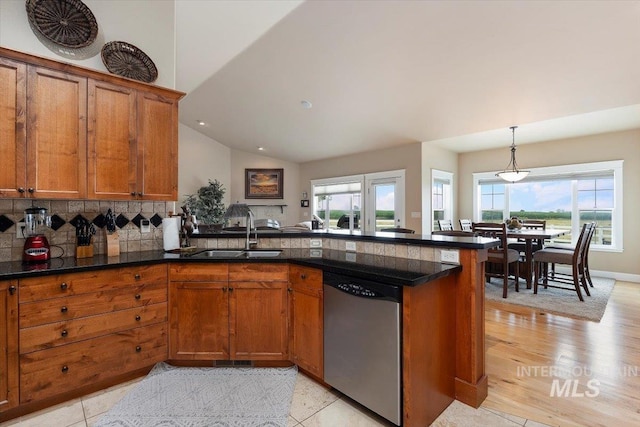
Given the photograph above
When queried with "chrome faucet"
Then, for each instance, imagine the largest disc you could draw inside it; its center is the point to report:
(251, 224)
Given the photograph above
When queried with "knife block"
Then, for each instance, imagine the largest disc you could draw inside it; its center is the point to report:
(113, 243)
(84, 251)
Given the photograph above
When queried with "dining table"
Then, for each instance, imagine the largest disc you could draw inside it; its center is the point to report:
(530, 236)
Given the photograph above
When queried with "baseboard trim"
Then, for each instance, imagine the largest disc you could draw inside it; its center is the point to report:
(616, 275)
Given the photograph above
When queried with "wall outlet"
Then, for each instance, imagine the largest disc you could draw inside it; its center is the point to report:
(451, 256)
(415, 215)
(350, 246)
(315, 253)
(145, 226)
(315, 243)
(20, 229)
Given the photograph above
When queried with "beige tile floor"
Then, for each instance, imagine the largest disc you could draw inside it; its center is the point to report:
(312, 406)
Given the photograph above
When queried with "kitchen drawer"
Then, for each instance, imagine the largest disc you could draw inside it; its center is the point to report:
(258, 272)
(201, 272)
(83, 305)
(305, 277)
(50, 372)
(47, 287)
(61, 333)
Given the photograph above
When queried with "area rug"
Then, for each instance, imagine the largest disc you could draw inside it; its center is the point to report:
(556, 301)
(211, 397)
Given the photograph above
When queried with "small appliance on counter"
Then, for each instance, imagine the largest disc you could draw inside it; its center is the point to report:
(36, 247)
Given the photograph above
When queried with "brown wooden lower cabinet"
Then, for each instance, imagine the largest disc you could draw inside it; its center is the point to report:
(214, 316)
(306, 319)
(49, 372)
(8, 344)
(81, 328)
(93, 327)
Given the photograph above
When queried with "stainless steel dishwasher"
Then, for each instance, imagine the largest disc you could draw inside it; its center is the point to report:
(362, 357)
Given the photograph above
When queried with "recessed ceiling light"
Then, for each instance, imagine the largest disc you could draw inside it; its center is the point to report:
(260, 148)
(200, 122)
(306, 104)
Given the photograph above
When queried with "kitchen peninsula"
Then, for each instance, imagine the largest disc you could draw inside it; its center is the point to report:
(442, 312)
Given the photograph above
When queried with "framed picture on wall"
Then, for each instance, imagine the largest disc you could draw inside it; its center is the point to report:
(263, 183)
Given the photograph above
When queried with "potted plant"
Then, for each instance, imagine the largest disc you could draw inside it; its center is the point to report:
(207, 204)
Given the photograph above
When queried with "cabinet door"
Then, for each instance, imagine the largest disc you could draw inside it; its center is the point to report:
(258, 320)
(56, 134)
(13, 103)
(198, 321)
(306, 316)
(8, 345)
(111, 141)
(157, 147)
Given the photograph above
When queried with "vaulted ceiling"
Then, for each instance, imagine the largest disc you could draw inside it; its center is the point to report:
(384, 73)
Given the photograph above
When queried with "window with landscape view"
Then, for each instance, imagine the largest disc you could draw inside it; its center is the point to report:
(368, 202)
(564, 196)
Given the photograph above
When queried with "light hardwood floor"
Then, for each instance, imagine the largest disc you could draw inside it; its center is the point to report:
(527, 351)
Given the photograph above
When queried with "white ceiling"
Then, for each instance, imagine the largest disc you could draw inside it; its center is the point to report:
(383, 73)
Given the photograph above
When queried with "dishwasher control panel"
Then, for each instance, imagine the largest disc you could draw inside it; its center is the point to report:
(363, 288)
(358, 290)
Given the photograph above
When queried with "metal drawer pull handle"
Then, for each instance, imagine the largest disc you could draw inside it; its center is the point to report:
(63, 286)
(64, 333)
(137, 296)
(65, 369)
(138, 349)
(138, 317)
(64, 309)
(12, 290)
(303, 276)
(137, 277)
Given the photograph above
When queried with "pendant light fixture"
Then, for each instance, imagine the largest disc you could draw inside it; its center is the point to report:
(512, 173)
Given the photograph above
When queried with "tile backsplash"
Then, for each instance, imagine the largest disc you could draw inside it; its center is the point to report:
(62, 235)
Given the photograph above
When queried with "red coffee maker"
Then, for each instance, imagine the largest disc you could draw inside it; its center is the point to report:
(36, 247)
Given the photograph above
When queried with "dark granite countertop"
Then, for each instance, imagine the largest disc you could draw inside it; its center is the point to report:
(391, 270)
(380, 237)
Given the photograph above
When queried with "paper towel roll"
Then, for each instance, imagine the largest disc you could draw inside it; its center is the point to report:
(170, 233)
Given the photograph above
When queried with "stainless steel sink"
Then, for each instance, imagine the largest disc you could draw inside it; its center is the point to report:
(218, 253)
(234, 253)
(262, 253)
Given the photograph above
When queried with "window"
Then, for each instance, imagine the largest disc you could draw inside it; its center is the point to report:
(492, 202)
(441, 197)
(369, 202)
(337, 201)
(565, 196)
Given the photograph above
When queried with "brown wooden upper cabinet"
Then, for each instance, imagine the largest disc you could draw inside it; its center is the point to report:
(74, 133)
(56, 134)
(133, 144)
(13, 135)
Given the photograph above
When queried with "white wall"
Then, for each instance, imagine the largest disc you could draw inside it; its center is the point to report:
(147, 25)
(434, 157)
(201, 159)
(292, 192)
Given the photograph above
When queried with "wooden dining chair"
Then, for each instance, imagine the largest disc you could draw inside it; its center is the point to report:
(465, 225)
(445, 224)
(574, 258)
(584, 265)
(501, 256)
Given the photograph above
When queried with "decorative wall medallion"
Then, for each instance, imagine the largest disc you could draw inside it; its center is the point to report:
(68, 23)
(126, 60)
